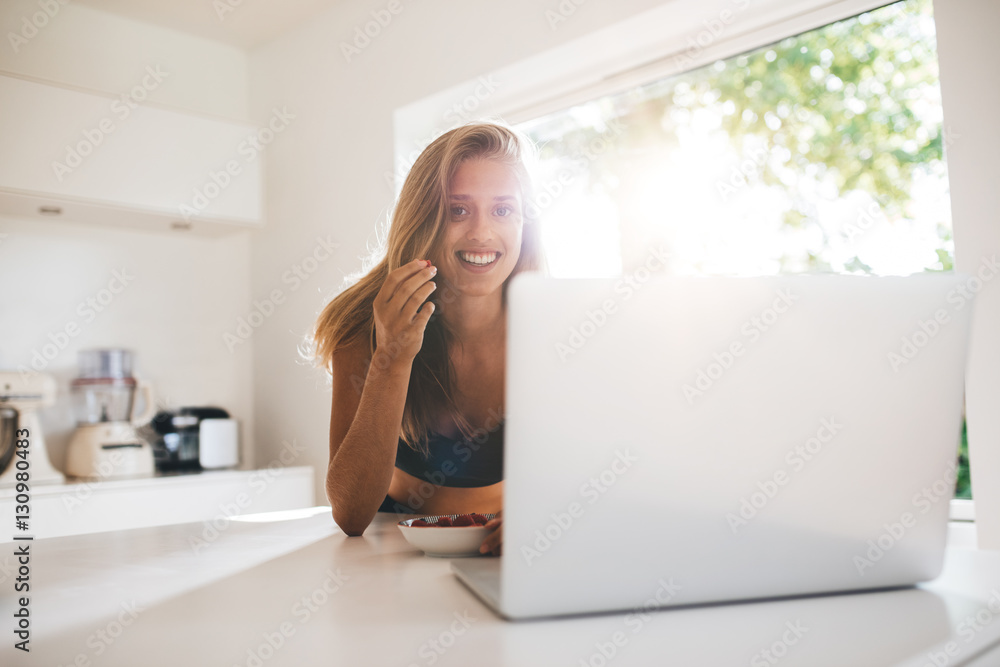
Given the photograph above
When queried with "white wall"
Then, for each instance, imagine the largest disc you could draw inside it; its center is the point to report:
(326, 173)
(186, 290)
(174, 290)
(85, 47)
(971, 95)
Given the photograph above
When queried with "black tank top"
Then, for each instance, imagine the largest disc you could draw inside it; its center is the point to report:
(463, 463)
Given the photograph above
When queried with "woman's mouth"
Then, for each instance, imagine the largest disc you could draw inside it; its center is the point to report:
(478, 259)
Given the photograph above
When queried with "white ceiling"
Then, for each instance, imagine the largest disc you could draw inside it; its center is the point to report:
(250, 23)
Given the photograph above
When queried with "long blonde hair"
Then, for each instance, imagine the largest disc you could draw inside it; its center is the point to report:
(417, 225)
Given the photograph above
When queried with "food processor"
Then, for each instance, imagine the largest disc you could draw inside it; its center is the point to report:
(105, 443)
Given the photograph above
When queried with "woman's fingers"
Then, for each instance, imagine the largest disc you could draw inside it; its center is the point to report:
(418, 298)
(493, 542)
(402, 310)
(424, 314)
(408, 287)
(396, 278)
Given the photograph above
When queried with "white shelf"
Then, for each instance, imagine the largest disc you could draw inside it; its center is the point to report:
(79, 507)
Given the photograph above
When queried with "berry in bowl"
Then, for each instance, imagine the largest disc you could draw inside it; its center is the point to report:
(447, 535)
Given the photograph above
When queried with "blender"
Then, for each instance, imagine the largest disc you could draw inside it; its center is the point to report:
(105, 443)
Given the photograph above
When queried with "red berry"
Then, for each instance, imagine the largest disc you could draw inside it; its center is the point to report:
(444, 521)
(479, 519)
(420, 522)
(464, 520)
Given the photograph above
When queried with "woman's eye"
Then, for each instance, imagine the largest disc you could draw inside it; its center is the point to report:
(458, 210)
(504, 211)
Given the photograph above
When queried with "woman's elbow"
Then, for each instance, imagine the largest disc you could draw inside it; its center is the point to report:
(347, 514)
(349, 521)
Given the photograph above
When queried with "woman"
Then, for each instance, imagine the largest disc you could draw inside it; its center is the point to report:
(416, 348)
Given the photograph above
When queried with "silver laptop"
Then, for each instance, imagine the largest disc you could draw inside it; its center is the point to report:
(689, 440)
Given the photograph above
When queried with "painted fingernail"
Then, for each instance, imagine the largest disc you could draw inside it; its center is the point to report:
(434, 270)
(428, 262)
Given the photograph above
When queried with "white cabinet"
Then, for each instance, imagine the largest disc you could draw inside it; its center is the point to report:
(116, 160)
(214, 497)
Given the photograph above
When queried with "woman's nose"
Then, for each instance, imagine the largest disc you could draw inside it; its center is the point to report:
(480, 228)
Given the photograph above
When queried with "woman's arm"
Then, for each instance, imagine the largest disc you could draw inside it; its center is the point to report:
(364, 429)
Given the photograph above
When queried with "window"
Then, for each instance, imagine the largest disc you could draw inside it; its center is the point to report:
(822, 152)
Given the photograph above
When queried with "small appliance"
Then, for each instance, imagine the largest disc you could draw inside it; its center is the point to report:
(105, 443)
(218, 443)
(193, 438)
(21, 395)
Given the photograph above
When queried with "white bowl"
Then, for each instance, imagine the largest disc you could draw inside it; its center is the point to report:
(445, 541)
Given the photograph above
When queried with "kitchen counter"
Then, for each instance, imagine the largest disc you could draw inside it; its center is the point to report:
(289, 588)
(78, 506)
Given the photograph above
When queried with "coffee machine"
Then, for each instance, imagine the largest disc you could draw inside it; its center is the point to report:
(105, 443)
(21, 396)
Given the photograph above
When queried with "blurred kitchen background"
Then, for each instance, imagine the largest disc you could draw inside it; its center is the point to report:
(192, 180)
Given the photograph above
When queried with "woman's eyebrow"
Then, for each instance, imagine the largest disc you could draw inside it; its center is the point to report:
(498, 198)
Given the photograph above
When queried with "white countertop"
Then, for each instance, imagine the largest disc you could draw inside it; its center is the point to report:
(82, 506)
(146, 597)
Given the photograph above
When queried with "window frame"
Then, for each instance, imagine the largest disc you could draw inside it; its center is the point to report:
(645, 48)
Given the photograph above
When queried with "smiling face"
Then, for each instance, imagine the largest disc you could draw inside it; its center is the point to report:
(481, 241)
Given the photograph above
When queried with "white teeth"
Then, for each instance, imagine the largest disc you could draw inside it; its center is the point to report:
(481, 259)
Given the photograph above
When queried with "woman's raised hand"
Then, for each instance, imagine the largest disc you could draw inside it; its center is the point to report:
(401, 313)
